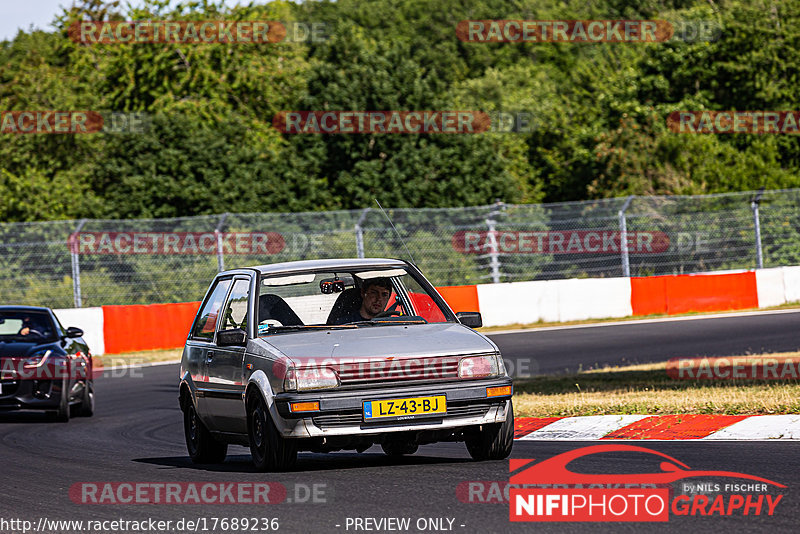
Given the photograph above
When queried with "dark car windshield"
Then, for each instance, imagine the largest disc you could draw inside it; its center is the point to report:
(350, 298)
(35, 327)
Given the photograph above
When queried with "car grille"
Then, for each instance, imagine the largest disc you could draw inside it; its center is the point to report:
(392, 372)
(350, 419)
(9, 387)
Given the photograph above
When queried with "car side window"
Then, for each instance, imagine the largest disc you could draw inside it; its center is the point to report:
(207, 318)
(236, 310)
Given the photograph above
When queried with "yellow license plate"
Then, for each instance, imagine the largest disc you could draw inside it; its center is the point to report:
(405, 408)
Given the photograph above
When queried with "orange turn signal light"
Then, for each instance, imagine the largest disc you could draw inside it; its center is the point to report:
(501, 391)
(304, 406)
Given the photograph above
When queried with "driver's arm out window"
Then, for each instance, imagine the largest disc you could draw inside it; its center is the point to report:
(207, 318)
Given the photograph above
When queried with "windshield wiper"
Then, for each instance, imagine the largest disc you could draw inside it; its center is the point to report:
(385, 321)
(295, 327)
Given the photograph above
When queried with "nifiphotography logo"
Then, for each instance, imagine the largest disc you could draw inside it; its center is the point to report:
(602, 497)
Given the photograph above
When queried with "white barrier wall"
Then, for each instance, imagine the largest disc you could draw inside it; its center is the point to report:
(90, 320)
(594, 298)
(791, 283)
(770, 287)
(554, 300)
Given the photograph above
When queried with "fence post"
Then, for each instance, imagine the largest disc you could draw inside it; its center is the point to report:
(218, 235)
(623, 237)
(754, 204)
(360, 233)
(494, 253)
(76, 265)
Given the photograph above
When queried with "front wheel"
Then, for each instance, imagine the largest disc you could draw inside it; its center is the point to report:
(494, 442)
(202, 447)
(87, 404)
(63, 413)
(270, 450)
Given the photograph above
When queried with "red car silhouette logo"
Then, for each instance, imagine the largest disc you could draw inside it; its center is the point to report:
(554, 470)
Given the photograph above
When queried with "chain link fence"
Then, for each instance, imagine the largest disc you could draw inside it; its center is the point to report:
(96, 262)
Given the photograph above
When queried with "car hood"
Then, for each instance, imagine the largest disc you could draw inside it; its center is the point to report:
(22, 349)
(413, 341)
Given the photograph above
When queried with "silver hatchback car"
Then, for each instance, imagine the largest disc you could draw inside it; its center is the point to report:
(339, 354)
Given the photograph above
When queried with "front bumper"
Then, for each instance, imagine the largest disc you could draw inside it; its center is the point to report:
(340, 412)
(26, 394)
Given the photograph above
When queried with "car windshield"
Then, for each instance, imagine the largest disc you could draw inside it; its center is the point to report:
(26, 326)
(346, 299)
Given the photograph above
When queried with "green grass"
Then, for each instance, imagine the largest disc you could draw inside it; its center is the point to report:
(646, 389)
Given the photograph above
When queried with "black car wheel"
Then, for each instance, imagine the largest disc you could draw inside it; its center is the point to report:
(270, 451)
(494, 442)
(399, 448)
(87, 405)
(63, 412)
(202, 447)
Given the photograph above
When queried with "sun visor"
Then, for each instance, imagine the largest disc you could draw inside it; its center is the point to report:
(385, 273)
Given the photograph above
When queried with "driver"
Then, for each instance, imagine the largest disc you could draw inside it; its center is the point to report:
(29, 326)
(375, 293)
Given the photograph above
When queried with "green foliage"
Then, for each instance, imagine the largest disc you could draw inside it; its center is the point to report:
(598, 110)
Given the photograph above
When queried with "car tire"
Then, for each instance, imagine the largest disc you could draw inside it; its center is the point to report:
(399, 448)
(202, 447)
(495, 441)
(62, 414)
(87, 405)
(270, 450)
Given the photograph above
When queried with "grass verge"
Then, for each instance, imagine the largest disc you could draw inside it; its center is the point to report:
(138, 358)
(646, 389)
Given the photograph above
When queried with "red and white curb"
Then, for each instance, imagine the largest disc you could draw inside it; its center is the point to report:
(659, 427)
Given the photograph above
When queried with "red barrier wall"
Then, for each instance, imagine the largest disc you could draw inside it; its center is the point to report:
(649, 295)
(460, 298)
(147, 327)
(165, 326)
(693, 293)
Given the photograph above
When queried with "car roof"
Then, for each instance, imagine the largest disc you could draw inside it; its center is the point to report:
(25, 308)
(330, 264)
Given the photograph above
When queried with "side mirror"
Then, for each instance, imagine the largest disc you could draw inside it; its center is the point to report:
(235, 337)
(470, 319)
(73, 331)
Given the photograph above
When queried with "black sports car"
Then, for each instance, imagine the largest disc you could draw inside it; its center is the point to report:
(43, 366)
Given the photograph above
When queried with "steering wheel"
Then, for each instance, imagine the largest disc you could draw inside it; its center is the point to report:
(391, 311)
(388, 313)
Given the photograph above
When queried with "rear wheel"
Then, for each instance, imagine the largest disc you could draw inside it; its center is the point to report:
(270, 450)
(399, 448)
(494, 442)
(202, 447)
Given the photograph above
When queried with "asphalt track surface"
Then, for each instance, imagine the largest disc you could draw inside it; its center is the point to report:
(136, 435)
(562, 349)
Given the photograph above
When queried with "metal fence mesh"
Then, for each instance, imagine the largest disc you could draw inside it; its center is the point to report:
(482, 244)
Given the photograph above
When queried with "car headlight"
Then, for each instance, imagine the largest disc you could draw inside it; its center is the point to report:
(478, 366)
(37, 360)
(310, 378)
